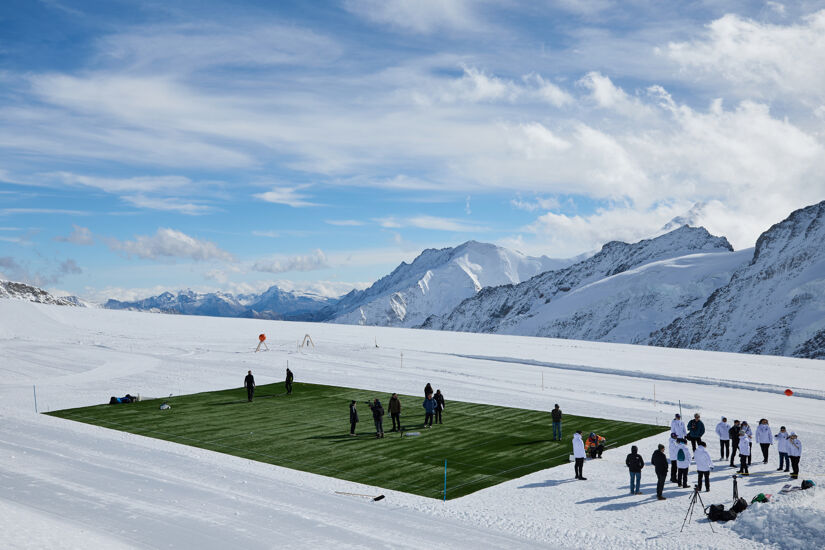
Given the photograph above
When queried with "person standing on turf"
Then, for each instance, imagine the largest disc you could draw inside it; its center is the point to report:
(428, 390)
(555, 414)
(794, 453)
(765, 438)
(288, 382)
(749, 432)
(578, 455)
(659, 461)
(734, 440)
(353, 417)
(782, 447)
(704, 464)
(678, 427)
(378, 417)
(696, 429)
(439, 406)
(683, 463)
(429, 410)
(744, 452)
(249, 384)
(635, 463)
(723, 431)
(673, 450)
(395, 412)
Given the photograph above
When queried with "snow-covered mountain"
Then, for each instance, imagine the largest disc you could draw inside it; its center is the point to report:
(590, 300)
(435, 282)
(774, 304)
(28, 293)
(274, 303)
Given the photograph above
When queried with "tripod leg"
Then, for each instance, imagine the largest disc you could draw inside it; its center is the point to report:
(689, 512)
(702, 503)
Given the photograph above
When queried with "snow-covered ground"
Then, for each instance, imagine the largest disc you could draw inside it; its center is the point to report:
(69, 485)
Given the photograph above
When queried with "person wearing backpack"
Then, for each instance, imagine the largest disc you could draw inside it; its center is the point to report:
(635, 463)
(704, 464)
(723, 431)
(578, 455)
(782, 446)
(696, 429)
(794, 453)
(683, 464)
(744, 453)
(765, 438)
(659, 461)
(673, 448)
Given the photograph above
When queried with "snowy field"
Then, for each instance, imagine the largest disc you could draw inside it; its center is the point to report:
(70, 485)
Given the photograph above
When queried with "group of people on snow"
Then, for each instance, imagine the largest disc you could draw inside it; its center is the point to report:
(249, 384)
(433, 411)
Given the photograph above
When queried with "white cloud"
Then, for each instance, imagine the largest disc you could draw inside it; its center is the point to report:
(344, 223)
(310, 262)
(169, 243)
(142, 184)
(167, 204)
(419, 16)
(537, 203)
(290, 196)
(79, 235)
(430, 222)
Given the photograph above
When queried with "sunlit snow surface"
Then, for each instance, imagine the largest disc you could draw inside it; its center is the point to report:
(70, 485)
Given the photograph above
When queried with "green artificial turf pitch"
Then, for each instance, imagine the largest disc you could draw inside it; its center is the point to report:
(309, 430)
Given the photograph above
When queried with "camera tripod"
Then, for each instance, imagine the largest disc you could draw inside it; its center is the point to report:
(696, 496)
(735, 488)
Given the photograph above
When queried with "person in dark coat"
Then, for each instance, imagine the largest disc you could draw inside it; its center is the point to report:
(659, 461)
(353, 417)
(429, 410)
(696, 429)
(439, 406)
(395, 412)
(428, 390)
(249, 384)
(377, 417)
(288, 382)
(635, 463)
(734, 440)
(555, 414)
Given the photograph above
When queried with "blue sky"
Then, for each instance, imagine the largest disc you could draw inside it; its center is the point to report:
(147, 146)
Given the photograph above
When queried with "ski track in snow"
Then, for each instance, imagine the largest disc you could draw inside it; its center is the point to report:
(71, 485)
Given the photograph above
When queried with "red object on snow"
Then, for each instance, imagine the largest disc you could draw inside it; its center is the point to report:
(788, 392)
(262, 337)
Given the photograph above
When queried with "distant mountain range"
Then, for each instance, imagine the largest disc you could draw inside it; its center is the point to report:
(685, 288)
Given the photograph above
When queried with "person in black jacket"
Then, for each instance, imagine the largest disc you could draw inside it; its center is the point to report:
(659, 461)
(696, 429)
(439, 406)
(395, 412)
(733, 433)
(428, 390)
(377, 417)
(353, 417)
(288, 382)
(635, 463)
(249, 384)
(555, 414)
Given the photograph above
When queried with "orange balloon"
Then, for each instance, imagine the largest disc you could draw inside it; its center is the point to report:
(262, 337)
(788, 392)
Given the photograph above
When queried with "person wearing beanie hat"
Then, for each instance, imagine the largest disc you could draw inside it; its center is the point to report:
(635, 463)
(782, 446)
(723, 431)
(595, 445)
(794, 453)
(578, 455)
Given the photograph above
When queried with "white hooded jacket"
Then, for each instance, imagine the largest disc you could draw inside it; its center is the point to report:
(578, 446)
(686, 462)
(782, 441)
(704, 463)
(763, 434)
(744, 445)
(723, 431)
(678, 427)
(673, 449)
(794, 446)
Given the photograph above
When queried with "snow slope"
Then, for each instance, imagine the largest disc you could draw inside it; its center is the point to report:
(435, 282)
(69, 485)
(21, 291)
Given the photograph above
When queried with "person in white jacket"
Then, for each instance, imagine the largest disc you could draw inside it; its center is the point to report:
(683, 463)
(578, 455)
(723, 431)
(765, 438)
(673, 449)
(744, 452)
(794, 453)
(746, 427)
(782, 447)
(704, 464)
(678, 427)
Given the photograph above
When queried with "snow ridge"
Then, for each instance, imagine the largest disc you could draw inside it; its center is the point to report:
(21, 291)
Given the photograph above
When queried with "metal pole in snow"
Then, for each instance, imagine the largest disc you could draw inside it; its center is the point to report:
(654, 404)
(34, 389)
(680, 408)
(445, 480)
